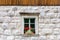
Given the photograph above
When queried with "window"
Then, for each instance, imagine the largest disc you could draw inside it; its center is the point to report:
(29, 25)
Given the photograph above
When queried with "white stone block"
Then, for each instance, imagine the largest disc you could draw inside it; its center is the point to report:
(7, 32)
(16, 32)
(51, 37)
(50, 26)
(7, 19)
(1, 30)
(41, 20)
(58, 25)
(10, 37)
(15, 21)
(5, 13)
(58, 37)
(42, 38)
(0, 24)
(47, 26)
(12, 25)
(15, 17)
(47, 21)
(17, 39)
(58, 20)
(34, 38)
(1, 19)
(46, 31)
(5, 25)
(1, 38)
(56, 31)
(58, 15)
(55, 20)
(42, 14)
(51, 14)
(41, 25)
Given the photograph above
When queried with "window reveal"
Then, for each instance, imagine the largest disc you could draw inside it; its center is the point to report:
(29, 25)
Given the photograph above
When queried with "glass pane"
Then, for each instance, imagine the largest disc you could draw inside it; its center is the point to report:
(32, 25)
(32, 20)
(26, 20)
(26, 27)
(33, 30)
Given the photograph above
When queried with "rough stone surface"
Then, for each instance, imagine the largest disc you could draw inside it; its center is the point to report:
(49, 22)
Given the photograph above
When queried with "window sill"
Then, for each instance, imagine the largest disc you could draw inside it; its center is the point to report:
(35, 35)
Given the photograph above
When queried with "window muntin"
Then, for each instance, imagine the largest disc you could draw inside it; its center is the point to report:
(29, 25)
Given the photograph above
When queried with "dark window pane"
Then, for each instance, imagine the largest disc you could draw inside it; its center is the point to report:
(26, 27)
(26, 20)
(32, 25)
(33, 30)
(32, 20)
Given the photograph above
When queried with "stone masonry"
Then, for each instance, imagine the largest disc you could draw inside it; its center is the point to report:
(49, 22)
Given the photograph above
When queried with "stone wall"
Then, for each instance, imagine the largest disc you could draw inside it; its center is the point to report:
(49, 22)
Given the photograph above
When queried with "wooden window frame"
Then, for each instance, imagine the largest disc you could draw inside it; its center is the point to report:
(36, 23)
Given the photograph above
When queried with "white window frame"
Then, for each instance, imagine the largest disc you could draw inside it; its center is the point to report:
(36, 23)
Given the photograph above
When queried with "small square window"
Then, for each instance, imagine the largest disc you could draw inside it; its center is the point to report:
(29, 25)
